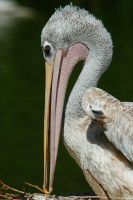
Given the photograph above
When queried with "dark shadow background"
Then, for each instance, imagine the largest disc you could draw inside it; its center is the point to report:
(22, 89)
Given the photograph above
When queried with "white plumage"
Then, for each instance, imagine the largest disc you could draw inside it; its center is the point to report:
(98, 129)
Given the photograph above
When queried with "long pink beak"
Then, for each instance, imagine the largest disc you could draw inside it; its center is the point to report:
(57, 76)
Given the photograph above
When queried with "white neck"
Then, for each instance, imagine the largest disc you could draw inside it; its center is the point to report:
(89, 77)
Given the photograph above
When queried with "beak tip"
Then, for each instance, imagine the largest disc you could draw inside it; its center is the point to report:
(46, 191)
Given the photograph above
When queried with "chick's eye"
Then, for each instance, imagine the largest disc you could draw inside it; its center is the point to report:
(47, 50)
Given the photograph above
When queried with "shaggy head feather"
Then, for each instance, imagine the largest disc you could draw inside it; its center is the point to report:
(71, 24)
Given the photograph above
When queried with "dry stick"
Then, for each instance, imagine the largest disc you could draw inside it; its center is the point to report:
(38, 188)
(3, 196)
(35, 186)
(19, 191)
(10, 188)
(6, 195)
(84, 197)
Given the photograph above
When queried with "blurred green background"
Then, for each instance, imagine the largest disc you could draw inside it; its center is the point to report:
(22, 87)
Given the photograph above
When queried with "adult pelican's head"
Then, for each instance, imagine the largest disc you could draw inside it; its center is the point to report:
(70, 35)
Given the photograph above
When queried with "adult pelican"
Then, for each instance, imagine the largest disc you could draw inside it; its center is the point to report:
(98, 128)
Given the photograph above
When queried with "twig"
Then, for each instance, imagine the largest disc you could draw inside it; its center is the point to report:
(6, 187)
(8, 196)
(35, 186)
(3, 196)
(21, 195)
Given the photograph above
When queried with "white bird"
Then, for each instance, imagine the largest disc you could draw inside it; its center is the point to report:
(98, 128)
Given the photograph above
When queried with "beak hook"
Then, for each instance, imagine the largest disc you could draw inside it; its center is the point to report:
(46, 191)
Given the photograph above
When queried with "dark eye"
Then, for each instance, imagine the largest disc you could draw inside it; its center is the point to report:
(47, 50)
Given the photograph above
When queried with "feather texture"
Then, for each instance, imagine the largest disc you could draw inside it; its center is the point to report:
(119, 124)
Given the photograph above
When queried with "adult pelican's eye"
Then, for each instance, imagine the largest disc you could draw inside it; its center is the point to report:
(47, 50)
